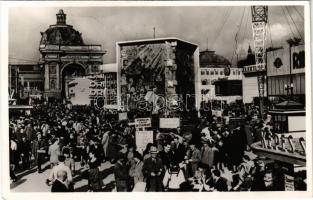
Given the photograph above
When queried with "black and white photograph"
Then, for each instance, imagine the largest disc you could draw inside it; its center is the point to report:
(150, 97)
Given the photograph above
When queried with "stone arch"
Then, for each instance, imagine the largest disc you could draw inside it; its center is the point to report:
(68, 72)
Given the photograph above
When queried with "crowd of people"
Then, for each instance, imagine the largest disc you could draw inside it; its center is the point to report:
(78, 140)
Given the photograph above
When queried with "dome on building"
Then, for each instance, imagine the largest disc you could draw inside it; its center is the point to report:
(209, 58)
(61, 33)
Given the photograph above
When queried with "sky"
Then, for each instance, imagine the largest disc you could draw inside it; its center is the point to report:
(213, 28)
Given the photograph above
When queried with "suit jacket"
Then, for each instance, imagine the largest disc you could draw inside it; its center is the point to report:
(58, 186)
(152, 166)
(24, 147)
(180, 153)
(167, 158)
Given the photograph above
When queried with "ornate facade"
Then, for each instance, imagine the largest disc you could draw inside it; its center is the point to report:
(64, 55)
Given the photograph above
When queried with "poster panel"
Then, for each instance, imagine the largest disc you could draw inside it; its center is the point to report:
(169, 122)
(142, 139)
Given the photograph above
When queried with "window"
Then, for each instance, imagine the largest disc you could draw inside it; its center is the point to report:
(234, 72)
(221, 72)
(212, 72)
(216, 72)
(202, 72)
(204, 82)
(208, 72)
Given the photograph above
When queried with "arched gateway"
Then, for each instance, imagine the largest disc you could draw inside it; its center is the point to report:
(64, 55)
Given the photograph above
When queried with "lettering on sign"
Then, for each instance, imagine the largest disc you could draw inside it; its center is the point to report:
(142, 122)
(280, 144)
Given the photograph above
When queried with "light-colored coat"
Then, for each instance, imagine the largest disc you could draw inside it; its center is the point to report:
(136, 172)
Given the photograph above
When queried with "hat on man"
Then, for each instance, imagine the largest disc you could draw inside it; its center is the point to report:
(153, 149)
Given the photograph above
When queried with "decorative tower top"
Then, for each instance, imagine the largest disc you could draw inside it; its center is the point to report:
(249, 50)
(61, 17)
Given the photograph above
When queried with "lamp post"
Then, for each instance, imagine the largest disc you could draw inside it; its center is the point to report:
(289, 88)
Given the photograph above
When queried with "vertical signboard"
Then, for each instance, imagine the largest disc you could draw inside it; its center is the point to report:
(142, 139)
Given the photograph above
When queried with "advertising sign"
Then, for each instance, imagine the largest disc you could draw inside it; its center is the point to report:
(289, 183)
(142, 122)
(278, 62)
(298, 59)
(142, 139)
(169, 122)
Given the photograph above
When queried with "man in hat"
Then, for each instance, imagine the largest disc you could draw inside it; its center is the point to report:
(153, 171)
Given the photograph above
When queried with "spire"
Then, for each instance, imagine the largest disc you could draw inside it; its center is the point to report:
(249, 50)
(61, 17)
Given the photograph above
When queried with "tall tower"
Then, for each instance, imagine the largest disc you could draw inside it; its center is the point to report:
(259, 21)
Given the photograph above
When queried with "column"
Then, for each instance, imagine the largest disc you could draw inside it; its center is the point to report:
(47, 78)
(58, 76)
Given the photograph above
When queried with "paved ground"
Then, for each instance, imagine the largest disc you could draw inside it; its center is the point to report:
(32, 181)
